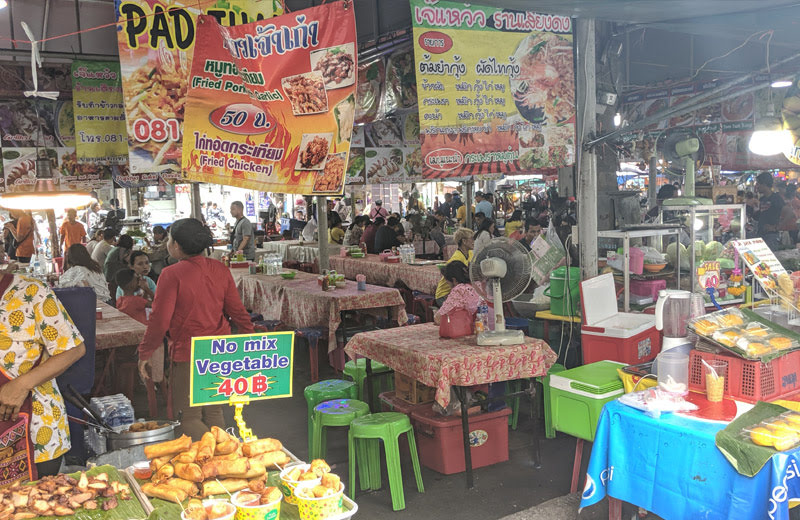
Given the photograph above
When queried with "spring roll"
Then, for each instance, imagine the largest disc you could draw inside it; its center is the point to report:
(225, 468)
(221, 435)
(164, 492)
(188, 455)
(272, 459)
(206, 449)
(229, 456)
(183, 443)
(190, 471)
(190, 488)
(164, 472)
(157, 462)
(227, 447)
(256, 470)
(219, 487)
(253, 448)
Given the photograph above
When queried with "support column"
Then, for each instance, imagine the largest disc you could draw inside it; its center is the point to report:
(194, 198)
(468, 200)
(587, 160)
(652, 189)
(322, 232)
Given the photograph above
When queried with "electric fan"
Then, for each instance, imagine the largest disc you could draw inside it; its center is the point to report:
(500, 272)
(681, 149)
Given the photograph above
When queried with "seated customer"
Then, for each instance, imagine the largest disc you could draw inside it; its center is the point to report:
(464, 241)
(335, 231)
(369, 235)
(388, 236)
(81, 271)
(140, 263)
(130, 303)
(533, 228)
(462, 294)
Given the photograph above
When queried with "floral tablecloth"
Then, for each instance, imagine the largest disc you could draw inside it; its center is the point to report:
(301, 302)
(417, 351)
(415, 277)
(117, 329)
(283, 247)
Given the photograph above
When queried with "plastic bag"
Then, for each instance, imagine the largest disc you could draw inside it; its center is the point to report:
(369, 92)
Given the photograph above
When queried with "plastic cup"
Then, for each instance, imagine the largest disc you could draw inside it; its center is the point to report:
(715, 383)
(319, 508)
(288, 486)
(271, 511)
(207, 504)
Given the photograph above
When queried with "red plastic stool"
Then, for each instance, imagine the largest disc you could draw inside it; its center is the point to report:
(425, 301)
(312, 335)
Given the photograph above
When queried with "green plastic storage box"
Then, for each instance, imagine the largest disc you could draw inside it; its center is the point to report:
(577, 396)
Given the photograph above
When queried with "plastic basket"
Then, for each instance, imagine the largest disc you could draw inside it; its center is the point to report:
(750, 381)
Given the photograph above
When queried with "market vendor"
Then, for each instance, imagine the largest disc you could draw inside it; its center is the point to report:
(463, 239)
(770, 206)
(39, 342)
(196, 297)
(243, 236)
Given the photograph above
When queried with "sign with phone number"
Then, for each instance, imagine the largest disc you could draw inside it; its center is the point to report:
(255, 366)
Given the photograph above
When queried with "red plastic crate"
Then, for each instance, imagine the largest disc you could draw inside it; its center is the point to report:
(440, 443)
(750, 381)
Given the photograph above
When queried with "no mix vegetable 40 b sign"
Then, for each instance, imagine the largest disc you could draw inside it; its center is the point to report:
(253, 366)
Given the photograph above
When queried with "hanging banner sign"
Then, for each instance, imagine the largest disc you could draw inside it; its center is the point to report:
(125, 179)
(271, 104)
(258, 366)
(496, 89)
(99, 110)
(791, 120)
(156, 43)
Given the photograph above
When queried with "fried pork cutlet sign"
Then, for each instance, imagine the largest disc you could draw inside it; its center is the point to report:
(271, 104)
(241, 367)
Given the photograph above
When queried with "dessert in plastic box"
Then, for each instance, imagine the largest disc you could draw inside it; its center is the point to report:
(781, 432)
(705, 326)
(756, 329)
(729, 318)
(728, 337)
(780, 342)
(754, 347)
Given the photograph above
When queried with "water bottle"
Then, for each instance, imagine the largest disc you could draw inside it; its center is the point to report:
(482, 318)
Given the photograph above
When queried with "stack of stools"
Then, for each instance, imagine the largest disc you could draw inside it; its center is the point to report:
(364, 453)
(326, 391)
(336, 412)
(356, 370)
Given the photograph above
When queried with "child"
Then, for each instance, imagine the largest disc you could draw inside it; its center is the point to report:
(140, 263)
(129, 303)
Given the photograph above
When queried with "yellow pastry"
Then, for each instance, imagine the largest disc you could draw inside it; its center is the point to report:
(730, 320)
(705, 327)
(781, 342)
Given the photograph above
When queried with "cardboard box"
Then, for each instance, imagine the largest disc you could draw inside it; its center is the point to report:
(412, 391)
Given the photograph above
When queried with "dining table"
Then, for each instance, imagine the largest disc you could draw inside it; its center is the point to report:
(300, 303)
(418, 352)
(423, 277)
(115, 330)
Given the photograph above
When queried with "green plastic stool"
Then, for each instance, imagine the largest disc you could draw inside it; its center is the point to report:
(356, 369)
(513, 403)
(325, 391)
(336, 412)
(549, 431)
(386, 426)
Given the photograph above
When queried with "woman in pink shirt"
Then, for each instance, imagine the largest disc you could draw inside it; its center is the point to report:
(195, 297)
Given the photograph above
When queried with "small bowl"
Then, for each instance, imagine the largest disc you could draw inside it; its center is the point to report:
(288, 275)
(654, 268)
(341, 285)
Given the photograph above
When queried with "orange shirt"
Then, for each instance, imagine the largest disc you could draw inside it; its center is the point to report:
(25, 236)
(72, 233)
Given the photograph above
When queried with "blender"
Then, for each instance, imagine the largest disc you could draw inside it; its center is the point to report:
(673, 311)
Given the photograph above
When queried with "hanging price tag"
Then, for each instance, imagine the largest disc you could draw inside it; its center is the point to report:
(708, 275)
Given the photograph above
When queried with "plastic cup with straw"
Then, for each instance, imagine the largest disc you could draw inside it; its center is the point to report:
(716, 371)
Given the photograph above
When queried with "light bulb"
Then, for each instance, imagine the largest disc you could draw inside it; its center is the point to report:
(698, 224)
(617, 119)
(3, 4)
(781, 83)
(770, 142)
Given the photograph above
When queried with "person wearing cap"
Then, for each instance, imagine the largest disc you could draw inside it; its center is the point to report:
(378, 211)
(484, 204)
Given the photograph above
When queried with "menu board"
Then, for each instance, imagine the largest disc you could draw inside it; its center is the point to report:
(156, 45)
(546, 256)
(496, 89)
(271, 104)
(98, 107)
(761, 261)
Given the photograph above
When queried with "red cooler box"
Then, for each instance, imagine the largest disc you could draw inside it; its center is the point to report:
(607, 334)
(440, 444)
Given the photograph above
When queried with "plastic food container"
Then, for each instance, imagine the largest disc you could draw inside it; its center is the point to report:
(781, 432)
(673, 372)
(271, 511)
(319, 508)
(208, 504)
(288, 486)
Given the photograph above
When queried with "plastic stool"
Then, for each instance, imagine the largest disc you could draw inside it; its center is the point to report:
(254, 316)
(425, 301)
(550, 432)
(356, 369)
(413, 319)
(325, 391)
(268, 325)
(518, 324)
(386, 426)
(337, 412)
(312, 335)
(514, 386)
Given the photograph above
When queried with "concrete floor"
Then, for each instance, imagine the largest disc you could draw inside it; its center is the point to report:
(513, 490)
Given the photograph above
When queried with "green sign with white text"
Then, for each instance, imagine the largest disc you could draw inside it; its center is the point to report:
(243, 366)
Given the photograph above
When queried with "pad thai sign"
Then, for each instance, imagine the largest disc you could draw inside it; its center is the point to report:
(156, 42)
(271, 104)
(496, 89)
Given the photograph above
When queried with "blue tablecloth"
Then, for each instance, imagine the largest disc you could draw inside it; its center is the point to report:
(671, 467)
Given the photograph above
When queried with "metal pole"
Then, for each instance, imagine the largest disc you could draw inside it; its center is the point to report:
(468, 196)
(322, 232)
(587, 160)
(651, 187)
(194, 197)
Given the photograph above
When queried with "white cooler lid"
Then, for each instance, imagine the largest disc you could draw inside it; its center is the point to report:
(599, 299)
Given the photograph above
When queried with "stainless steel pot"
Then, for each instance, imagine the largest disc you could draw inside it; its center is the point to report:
(116, 441)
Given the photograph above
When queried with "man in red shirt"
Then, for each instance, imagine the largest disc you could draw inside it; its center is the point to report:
(368, 237)
(72, 231)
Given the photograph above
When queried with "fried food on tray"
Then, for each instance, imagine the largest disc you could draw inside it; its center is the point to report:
(183, 443)
(190, 471)
(223, 486)
(705, 327)
(164, 492)
(272, 459)
(189, 455)
(319, 467)
(190, 488)
(145, 426)
(206, 449)
(253, 448)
